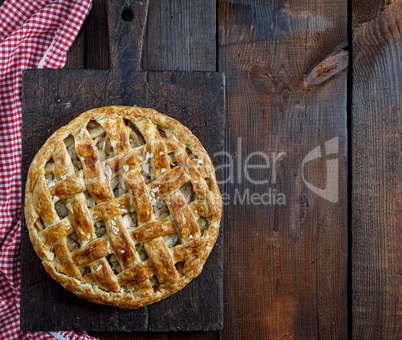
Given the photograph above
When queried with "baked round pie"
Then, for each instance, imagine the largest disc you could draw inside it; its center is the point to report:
(122, 206)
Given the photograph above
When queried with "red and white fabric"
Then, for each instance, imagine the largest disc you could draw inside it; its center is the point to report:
(33, 34)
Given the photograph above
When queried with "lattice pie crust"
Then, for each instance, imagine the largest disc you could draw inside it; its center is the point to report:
(122, 206)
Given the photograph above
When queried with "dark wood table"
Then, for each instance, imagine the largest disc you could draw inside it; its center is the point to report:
(299, 76)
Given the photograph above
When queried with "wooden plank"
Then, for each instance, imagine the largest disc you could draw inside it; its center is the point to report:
(376, 170)
(97, 37)
(285, 265)
(180, 35)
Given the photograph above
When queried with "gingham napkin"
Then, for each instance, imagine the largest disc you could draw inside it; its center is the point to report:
(33, 34)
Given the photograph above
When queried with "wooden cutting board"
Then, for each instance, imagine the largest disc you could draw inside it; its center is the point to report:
(51, 98)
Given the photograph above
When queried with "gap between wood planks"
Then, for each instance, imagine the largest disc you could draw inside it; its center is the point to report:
(349, 99)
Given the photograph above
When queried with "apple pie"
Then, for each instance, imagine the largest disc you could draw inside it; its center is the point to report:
(122, 206)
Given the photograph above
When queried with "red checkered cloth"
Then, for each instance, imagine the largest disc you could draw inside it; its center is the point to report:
(33, 34)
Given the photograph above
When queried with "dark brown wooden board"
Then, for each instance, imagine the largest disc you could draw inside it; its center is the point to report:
(377, 170)
(286, 265)
(51, 98)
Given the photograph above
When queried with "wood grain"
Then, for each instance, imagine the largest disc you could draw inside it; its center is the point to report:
(376, 170)
(285, 265)
(180, 36)
(96, 27)
(194, 98)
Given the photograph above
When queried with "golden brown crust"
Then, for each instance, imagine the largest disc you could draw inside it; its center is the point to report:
(185, 220)
(138, 191)
(152, 230)
(109, 266)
